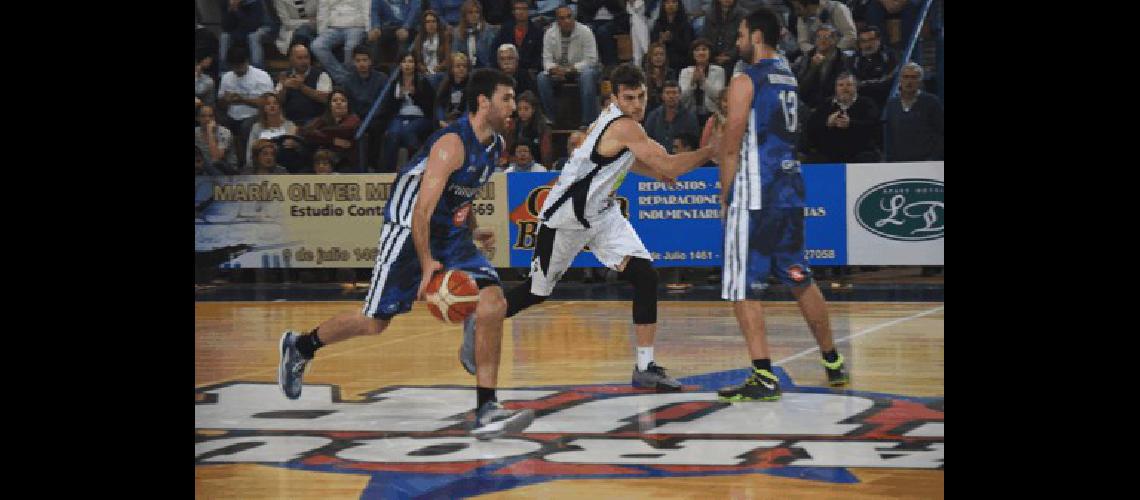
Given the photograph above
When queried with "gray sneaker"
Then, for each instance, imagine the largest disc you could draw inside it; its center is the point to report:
(467, 350)
(493, 420)
(291, 367)
(654, 377)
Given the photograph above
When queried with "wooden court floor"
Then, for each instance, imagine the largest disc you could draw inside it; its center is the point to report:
(383, 416)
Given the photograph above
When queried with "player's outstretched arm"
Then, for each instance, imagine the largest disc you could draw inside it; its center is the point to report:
(739, 105)
(652, 159)
(446, 156)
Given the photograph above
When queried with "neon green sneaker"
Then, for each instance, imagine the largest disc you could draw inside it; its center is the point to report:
(761, 385)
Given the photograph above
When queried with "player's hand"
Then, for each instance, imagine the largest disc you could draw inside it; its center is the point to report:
(817, 58)
(833, 119)
(428, 270)
(486, 239)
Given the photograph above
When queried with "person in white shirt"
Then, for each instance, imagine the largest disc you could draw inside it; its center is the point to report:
(569, 52)
(239, 94)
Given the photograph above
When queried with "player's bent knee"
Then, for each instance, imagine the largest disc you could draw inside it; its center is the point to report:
(491, 305)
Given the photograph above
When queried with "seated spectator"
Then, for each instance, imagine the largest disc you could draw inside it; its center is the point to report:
(204, 86)
(605, 19)
(298, 23)
(270, 124)
(336, 130)
(701, 82)
(875, 66)
(339, 22)
(204, 182)
(449, 10)
(432, 47)
(393, 22)
(657, 71)
(720, 31)
(525, 36)
(914, 124)
(365, 83)
(449, 103)
(675, 32)
(248, 22)
(523, 161)
(303, 89)
(509, 64)
(239, 95)
(846, 131)
(474, 37)
(697, 10)
(818, 69)
(531, 126)
(264, 160)
(206, 45)
(216, 141)
(576, 138)
(408, 110)
(569, 53)
(811, 14)
(896, 20)
(671, 118)
(323, 162)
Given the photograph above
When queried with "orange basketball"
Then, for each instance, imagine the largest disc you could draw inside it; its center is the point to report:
(451, 296)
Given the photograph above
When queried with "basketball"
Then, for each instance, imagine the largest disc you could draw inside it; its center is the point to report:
(451, 296)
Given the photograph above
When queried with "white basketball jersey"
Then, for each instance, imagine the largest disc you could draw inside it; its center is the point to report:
(585, 188)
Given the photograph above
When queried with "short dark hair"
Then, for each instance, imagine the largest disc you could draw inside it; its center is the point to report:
(627, 75)
(765, 20)
(294, 45)
(482, 82)
(700, 41)
(523, 143)
(670, 83)
(808, 2)
(870, 29)
(361, 49)
(237, 55)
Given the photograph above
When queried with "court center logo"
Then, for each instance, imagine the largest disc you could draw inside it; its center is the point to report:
(414, 440)
(904, 209)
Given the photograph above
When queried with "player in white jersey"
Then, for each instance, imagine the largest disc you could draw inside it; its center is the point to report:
(580, 210)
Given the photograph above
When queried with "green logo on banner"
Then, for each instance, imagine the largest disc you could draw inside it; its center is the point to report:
(904, 209)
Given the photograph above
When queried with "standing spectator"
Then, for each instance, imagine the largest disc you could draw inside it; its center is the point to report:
(846, 131)
(449, 99)
(247, 21)
(702, 82)
(819, 68)
(523, 160)
(335, 130)
(674, 30)
(432, 46)
(303, 89)
(407, 110)
(569, 53)
(365, 83)
(813, 13)
(339, 22)
(606, 19)
(449, 10)
(914, 123)
(473, 37)
(720, 31)
(875, 66)
(271, 124)
(239, 94)
(671, 119)
(204, 86)
(264, 160)
(657, 71)
(393, 23)
(215, 141)
(508, 57)
(298, 23)
(525, 36)
(530, 127)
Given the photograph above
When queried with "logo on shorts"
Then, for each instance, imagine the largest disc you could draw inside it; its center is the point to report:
(796, 273)
(904, 209)
(459, 218)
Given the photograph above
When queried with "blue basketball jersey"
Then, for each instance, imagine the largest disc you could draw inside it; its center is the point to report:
(462, 185)
(769, 174)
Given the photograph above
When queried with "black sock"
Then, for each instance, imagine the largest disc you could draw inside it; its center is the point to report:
(308, 344)
(484, 394)
(831, 356)
(762, 364)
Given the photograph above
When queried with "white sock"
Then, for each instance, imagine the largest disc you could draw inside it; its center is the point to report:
(644, 357)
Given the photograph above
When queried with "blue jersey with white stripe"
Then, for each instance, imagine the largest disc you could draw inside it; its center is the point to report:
(769, 174)
(462, 185)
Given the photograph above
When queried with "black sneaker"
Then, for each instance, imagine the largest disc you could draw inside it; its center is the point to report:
(493, 420)
(835, 374)
(762, 385)
(654, 377)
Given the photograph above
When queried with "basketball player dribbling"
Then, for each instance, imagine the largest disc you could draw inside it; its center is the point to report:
(428, 226)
